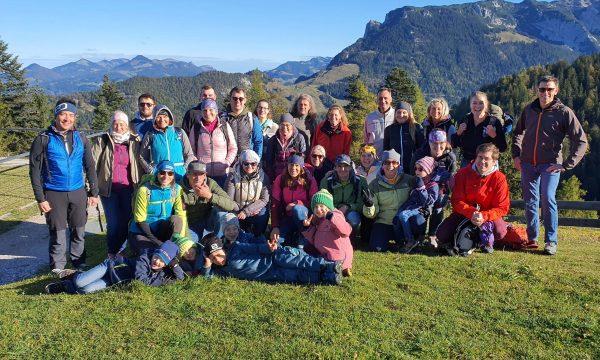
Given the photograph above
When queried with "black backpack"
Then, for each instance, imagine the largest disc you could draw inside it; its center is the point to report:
(466, 238)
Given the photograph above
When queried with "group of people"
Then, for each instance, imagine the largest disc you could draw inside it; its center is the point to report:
(199, 197)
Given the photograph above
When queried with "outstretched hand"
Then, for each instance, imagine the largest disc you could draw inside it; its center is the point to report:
(308, 220)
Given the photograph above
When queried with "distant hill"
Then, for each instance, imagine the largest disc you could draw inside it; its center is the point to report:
(85, 75)
(289, 71)
(452, 50)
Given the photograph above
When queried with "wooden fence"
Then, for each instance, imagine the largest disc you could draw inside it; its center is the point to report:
(564, 205)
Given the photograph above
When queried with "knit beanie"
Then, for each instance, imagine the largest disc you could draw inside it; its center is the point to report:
(287, 117)
(404, 106)
(229, 219)
(296, 159)
(249, 156)
(167, 251)
(211, 243)
(322, 197)
(427, 163)
(120, 116)
(184, 243)
(437, 135)
(391, 155)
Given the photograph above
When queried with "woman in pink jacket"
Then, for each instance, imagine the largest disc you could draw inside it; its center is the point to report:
(291, 192)
(328, 234)
(213, 142)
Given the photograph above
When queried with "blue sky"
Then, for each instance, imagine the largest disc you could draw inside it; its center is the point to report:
(231, 35)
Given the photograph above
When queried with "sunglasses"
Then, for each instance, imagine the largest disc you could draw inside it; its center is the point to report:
(240, 99)
(145, 104)
(543, 90)
(317, 156)
(170, 173)
(253, 164)
(390, 162)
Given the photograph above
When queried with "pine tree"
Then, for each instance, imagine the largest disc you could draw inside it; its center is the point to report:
(361, 102)
(405, 89)
(108, 100)
(571, 189)
(257, 91)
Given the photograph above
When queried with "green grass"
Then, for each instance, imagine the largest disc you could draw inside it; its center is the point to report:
(15, 195)
(503, 306)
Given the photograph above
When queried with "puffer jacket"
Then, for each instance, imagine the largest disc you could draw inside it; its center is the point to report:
(539, 135)
(490, 192)
(250, 193)
(331, 238)
(103, 151)
(387, 198)
(164, 276)
(216, 150)
(247, 135)
(277, 157)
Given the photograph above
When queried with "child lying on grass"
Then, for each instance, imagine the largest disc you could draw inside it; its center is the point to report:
(154, 267)
(267, 262)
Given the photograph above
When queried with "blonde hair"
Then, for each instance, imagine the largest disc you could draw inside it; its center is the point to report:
(445, 107)
(342, 113)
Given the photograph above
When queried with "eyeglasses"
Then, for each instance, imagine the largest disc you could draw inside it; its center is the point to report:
(543, 90)
(170, 173)
(240, 99)
(390, 162)
(145, 104)
(253, 164)
(317, 156)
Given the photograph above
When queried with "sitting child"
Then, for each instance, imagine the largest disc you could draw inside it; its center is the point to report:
(154, 267)
(267, 262)
(233, 232)
(328, 233)
(423, 196)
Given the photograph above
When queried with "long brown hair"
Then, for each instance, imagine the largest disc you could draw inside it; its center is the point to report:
(342, 113)
(303, 178)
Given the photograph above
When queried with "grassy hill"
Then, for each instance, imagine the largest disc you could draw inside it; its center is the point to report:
(502, 306)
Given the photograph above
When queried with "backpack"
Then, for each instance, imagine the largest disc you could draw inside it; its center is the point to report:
(515, 238)
(466, 238)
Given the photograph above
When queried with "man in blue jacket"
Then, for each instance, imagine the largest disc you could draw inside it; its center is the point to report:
(58, 160)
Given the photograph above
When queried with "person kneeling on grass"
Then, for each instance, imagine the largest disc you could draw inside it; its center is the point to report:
(328, 232)
(267, 262)
(154, 267)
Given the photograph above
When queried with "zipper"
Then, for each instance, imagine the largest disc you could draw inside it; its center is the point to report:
(537, 131)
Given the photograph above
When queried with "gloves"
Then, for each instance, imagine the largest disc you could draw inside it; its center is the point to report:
(367, 196)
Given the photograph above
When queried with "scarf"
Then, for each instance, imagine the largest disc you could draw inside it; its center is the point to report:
(329, 130)
(119, 138)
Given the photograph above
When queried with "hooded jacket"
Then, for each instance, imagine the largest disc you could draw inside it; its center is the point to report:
(335, 144)
(331, 238)
(387, 198)
(169, 144)
(539, 134)
(250, 193)
(217, 150)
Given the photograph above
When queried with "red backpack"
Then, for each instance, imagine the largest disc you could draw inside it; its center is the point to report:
(516, 238)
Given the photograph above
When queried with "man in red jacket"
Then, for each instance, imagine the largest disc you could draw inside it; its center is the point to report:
(480, 193)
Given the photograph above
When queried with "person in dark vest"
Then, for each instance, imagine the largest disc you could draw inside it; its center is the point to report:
(59, 158)
(246, 127)
(207, 92)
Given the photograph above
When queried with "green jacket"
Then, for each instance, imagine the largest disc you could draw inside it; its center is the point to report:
(388, 198)
(198, 208)
(345, 193)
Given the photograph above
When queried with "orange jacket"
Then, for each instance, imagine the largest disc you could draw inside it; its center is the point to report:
(490, 192)
(335, 145)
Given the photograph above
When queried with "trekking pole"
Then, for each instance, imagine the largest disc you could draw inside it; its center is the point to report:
(99, 218)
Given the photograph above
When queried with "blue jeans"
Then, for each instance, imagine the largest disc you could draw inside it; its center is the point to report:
(258, 222)
(95, 279)
(291, 226)
(353, 218)
(212, 223)
(402, 224)
(117, 209)
(532, 179)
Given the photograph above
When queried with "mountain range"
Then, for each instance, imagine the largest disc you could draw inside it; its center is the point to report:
(290, 71)
(85, 75)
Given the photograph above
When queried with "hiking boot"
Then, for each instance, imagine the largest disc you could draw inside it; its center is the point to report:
(488, 249)
(56, 272)
(550, 248)
(532, 244)
(56, 288)
(408, 247)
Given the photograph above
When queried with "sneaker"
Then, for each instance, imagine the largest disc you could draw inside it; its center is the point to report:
(347, 272)
(488, 249)
(533, 244)
(550, 248)
(56, 272)
(408, 247)
(433, 241)
(56, 288)
(63, 273)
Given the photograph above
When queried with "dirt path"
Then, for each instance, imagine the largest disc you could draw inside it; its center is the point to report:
(24, 249)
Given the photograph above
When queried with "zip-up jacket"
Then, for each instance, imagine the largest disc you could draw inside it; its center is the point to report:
(397, 137)
(277, 156)
(539, 134)
(446, 125)
(476, 135)
(331, 238)
(335, 144)
(217, 150)
(250, 193)
(198, 208)
(375, 124)
(153, 203)
(284, 195)
(103, 149)
(247, 135)
(387, 198)
(347, 193)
